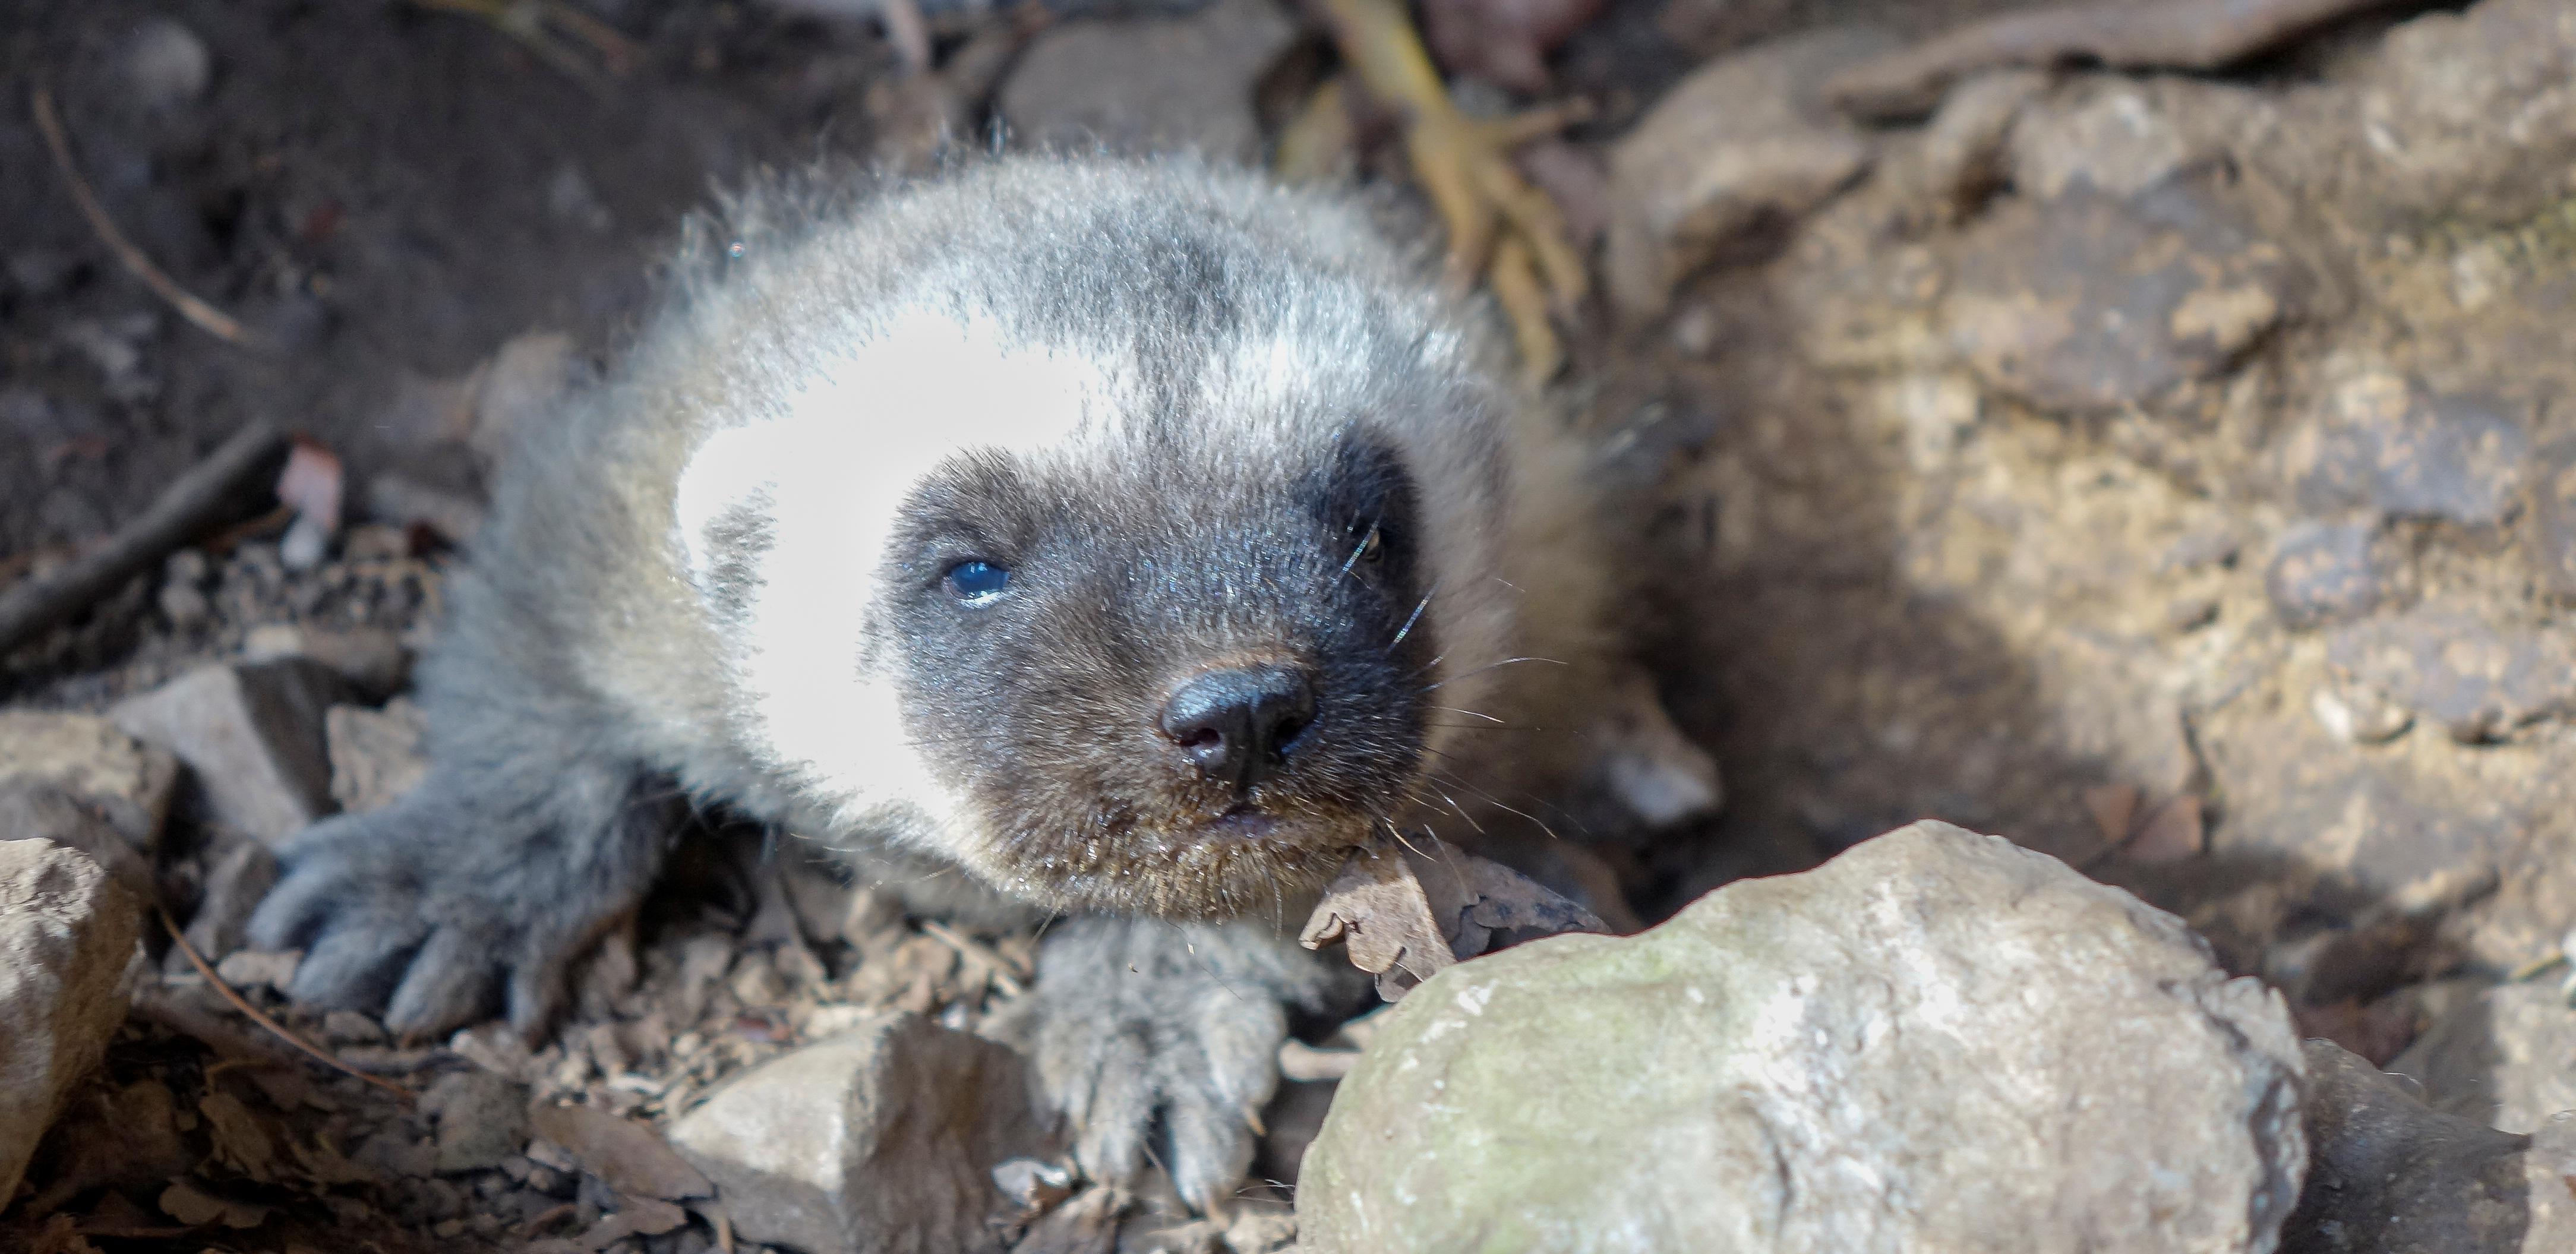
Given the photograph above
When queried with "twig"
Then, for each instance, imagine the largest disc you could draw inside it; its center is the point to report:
(283, 1032)
(186, 507)
(212, 321)
(2122, 34)
(996, 967)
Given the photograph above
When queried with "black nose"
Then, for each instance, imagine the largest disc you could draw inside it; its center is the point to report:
(1237, 725)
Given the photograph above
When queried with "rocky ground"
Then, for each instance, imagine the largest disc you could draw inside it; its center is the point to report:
(2172, 472)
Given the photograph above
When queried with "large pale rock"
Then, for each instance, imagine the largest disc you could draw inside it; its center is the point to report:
(1937, 1041)
(881, 1139)
(253, 736)
(2506, 1060)
(85, 756)
(1744, 142)
(1150, 84)
(2389, 1175)
(67, 931)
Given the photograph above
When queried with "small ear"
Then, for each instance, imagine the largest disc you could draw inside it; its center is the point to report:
(728, 517)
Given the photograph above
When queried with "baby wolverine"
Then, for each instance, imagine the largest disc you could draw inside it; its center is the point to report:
(1124, 541)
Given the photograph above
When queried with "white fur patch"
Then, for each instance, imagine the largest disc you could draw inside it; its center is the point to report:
(829, 474)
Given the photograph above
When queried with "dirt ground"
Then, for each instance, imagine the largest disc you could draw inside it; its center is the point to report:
(1909, 540)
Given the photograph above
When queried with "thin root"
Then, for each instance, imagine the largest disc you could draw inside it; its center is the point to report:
(207, 318)
(283, 1032)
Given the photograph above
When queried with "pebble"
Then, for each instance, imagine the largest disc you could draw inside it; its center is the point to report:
(2388, 1174)
(129, 784)
(1149, 84)
(881, 1139)
(252, 734)
(2325, 572)
(2479, 679)
(2390, 446)
(166, 64)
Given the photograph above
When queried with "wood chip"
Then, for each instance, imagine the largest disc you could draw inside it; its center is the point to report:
(1406, 910)
(628, 1156)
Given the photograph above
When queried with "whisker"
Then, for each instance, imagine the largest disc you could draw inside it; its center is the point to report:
(1451, 709)
(1490, 666)
(1423, 604)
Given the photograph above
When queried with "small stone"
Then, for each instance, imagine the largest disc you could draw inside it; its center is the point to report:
(1742, 143)
(1149, 84)
(881, 1139)
(373, 660)
(166, 64)
(126, 783)
(2506, 1060)
(376, 755)
(185, 607)
(67, 934)
(2359, 714)
(1932, 1039)
(2388, 1175)
(2325, 572)
(348, 1027)
(253, 734)
(240, 878)
(2390, 446)
(2479, 680)
(482, 1119)
(407, 502)
(257, 968)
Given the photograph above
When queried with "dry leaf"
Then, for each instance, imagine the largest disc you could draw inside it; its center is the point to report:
(2114, 808)
(241, 1141)
(1404, 911)
(2172, 833)
(1377, 909)
(195, 1207)
(630, 1157)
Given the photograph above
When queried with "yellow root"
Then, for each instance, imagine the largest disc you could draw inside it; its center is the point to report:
(1500, 227)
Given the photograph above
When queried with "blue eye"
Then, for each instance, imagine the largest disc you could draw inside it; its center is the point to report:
(977, 582)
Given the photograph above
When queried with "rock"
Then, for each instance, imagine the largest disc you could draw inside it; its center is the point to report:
(2390, 446)
(235, 884)
(1742, 143)
(373, 660)
(2466, 117)
(2449, 664)
(67, 933)
(1149, 84)
(1818, 1062)
(2325, 572)
(166, 64)
(2553, 517)
(2115, 142)
(34, 812)
(2093, 303)
(2387, 1175)
(884, 1138)
(126, 783)
(376, 755)
(2506, 1060)
(253, 736)
(482, 1119)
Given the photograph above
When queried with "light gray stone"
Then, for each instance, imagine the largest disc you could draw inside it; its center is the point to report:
(252, 734)
(880, 1139)
(67, 933)
(2506, 1059)
(1743, 141)
(125, 782)
(376, 755)
(238, 878)
(373, 660)
(1937, 1041)
(1149, 84)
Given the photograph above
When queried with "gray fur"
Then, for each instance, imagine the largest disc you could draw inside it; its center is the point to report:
(655, 609)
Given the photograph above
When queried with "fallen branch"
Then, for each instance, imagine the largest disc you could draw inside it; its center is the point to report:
(2122, 34)
(195, 502)
(212, 321)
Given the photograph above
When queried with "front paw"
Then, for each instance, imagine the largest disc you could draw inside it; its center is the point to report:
(441, 911)
(1160, 1042)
